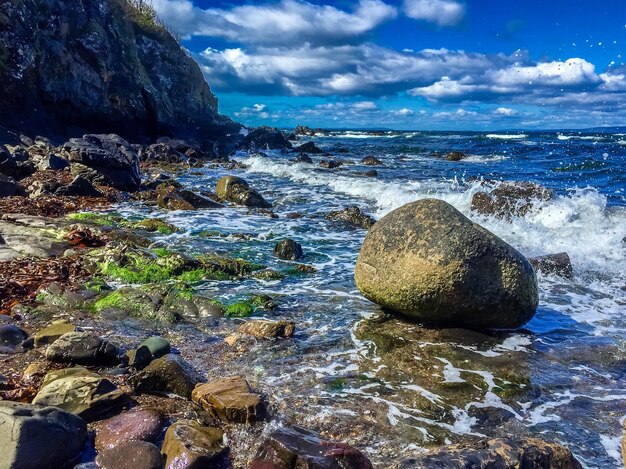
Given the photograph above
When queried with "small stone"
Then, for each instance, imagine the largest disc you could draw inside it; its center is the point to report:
(135, 425)
(80, 392)
(268, 329)
(371, 161)
(50, 333)
(288, 249)
(553, 264)
(230, 400)
(455, 156)
(34, 371)
(36, 437)
(11, 338)
(169, 374)
(82, 348)
(330, 164)
(187, 444)
(295, 447)
(353, 216)
(131, 454)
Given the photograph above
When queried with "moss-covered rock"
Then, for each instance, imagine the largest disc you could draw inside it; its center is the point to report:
(156, 225)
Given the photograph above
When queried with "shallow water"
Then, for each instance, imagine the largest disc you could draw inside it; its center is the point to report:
(390, 387)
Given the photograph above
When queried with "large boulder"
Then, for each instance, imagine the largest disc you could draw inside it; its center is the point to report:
(113, 161)
(33, 437)
(297, 447)
(429, 262)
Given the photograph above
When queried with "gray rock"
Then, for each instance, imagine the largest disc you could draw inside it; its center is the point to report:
(82, 348)
(288, 249)
(308, 147)
(35, 437)
(11, 338)
(169, 374)
(427, 261)
(79, 187)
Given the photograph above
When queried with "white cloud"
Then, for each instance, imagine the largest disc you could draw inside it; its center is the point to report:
(505, 111)
(404, 112)
(441, 12)
(283, 22)
(364, 106)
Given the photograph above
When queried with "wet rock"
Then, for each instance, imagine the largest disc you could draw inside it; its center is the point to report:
(308, 147)
(8, 186)
(50, 333)
(455, 156)
(297, 447)
(529, 453)
(303, 158)
(169, 374)
(353, 216)
(230, 400)
(172, 198)
(81, 392)
(510, 199)
(82, 348)
(11, 338)
(429, 262)
(330, 164)
(33, 437)
(265, 138)
(112, 159)
(371, 174)
(148, 350)
(131, 454)
(554, 264)
(268, 329)
(187, 444)
(139, 424)
(79, 187)
(236, 190)
(305, 130)
(371, 161)
(288, 249)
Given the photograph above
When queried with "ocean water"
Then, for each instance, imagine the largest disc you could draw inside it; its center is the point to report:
(390, 387)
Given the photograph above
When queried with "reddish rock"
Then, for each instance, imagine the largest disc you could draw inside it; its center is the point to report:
(136, 425)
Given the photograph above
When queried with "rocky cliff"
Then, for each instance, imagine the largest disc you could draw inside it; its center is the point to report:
(74, 66)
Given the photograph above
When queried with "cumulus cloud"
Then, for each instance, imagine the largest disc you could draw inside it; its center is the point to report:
(505, 111)
(441, 12)
(257, 110)
(284, 22)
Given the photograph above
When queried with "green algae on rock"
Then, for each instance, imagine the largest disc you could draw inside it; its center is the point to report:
(427, 261)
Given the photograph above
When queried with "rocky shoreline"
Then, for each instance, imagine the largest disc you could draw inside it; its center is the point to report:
(71, 268)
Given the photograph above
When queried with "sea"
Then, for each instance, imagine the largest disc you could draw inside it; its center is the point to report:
(388, 386)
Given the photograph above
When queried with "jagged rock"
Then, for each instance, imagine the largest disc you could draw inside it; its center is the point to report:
(34, 437)
(169, 374)
(135, 454)
(302, 158)
(429, 262)
(81, 392)
(371, 161)
(236, 190)
(110, 156)
(268, 329)
(230, 400)
(330, 164)
(308, 147)
(265, 138)
(82, 348)
(139, 424)
(288, 249)
(50, 333)
(510, 199)
(11, 338)
(187, 444)
(304, 130)
(553, 264)
(8, 186)
(353, 216)
(79, 187)
(296, 447)
(52, 162)
(172, 198)
(498, 453)
(455, 156)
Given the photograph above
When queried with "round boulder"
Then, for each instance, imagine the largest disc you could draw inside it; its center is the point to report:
(427, 261)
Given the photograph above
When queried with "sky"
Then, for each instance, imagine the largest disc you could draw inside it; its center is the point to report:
(410, 64)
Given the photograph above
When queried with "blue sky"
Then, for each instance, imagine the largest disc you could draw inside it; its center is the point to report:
(410, 64)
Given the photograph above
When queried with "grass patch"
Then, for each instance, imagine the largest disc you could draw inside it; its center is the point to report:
(240, 309)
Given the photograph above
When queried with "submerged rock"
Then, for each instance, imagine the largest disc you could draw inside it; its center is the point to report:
(82, 348)
(236, 190)
(554, 264)
(308, 147)
(268, 329)
(510, 199)
(303, 158)
(330, 164)
(171, 197)
(169, 374)
(297, 447)
(81, 392)
(34, 437)
(455, 156)
(187, 444)
(131, 454)
(353, 216)
(498, 453)
(230, 400)
(429, 262)
(288, 249)
(371, 161)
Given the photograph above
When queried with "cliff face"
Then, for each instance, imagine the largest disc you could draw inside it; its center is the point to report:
(71, 66)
